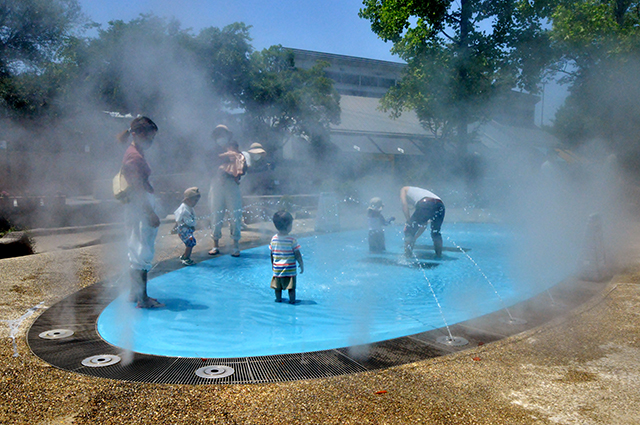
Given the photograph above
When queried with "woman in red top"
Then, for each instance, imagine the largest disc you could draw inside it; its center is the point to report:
(141, 220)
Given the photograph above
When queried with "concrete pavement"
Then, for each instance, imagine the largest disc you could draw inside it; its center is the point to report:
(581, 368)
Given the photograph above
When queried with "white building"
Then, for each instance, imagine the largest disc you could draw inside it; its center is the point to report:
(365, 130)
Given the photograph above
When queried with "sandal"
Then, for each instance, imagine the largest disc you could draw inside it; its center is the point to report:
(214, 251)
(235, 254)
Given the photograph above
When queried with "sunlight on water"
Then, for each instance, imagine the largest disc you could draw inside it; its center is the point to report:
(223, 307)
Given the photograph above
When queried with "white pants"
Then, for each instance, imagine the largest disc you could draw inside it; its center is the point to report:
(224, 195)
(141, 238)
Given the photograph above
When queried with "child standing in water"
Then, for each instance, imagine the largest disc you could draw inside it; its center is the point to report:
(285, 253)
(186, 223)
(376, 223)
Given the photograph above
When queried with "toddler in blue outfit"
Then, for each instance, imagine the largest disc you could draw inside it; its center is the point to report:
(186, 223)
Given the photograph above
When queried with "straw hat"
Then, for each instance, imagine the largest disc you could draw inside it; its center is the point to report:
(256, 148)
(192, 192)
(220, 130)
(376, 204)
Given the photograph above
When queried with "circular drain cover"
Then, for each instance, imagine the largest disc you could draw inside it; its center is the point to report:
(101, 360)
(453, 341)
(56, 334)
(214, 372)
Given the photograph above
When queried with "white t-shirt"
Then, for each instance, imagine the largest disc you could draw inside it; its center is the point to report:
(414, 194)
(185, 215)
(247, 157)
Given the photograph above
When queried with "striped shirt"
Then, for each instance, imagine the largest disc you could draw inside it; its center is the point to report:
(283, 250)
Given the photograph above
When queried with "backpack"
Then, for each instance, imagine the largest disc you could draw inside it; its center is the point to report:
(121, 189)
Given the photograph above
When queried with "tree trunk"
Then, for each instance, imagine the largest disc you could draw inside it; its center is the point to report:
(463, 95)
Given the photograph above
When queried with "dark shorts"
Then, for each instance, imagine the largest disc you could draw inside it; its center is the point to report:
(376, 241)
(427, 209)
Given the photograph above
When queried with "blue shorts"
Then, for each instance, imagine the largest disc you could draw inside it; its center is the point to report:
(186, 236)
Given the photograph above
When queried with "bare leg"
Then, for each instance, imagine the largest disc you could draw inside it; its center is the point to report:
(278, 295)
(216, 247)
(408, 246)
(135, 293)
(437, 244)
(146, 301)
(410, 241)
(292, 296)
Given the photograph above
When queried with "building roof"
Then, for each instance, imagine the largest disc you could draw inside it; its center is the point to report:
(498, 136)
(366, 129)
(312, 56)
(361, 114)
(376, 144)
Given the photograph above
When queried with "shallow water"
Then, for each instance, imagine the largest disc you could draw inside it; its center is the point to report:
(223, 307)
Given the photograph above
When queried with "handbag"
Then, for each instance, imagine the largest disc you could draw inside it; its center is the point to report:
(121, 189)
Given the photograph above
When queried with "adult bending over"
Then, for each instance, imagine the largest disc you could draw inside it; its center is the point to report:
(427, 207)
(141, 220)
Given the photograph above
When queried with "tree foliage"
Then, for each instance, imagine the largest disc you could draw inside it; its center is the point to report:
(135, 66)
(32, 35)
(598, 49)
(148, 63)
(32, 31)
(282, 99)
(225, 54)
(459, 55)
(151, 66)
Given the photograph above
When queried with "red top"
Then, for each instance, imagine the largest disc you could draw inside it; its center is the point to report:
(136, 170)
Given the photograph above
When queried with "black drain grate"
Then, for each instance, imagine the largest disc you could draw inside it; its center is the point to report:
(79, 313)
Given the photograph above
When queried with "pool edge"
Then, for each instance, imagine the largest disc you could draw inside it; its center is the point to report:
(79, 312)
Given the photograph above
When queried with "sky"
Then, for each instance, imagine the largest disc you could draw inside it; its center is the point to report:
(328, 26)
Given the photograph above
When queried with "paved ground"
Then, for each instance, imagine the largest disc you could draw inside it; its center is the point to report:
(581, 369)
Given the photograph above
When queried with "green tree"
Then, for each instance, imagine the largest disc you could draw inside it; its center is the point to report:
(127, 66)
(598, 49)
(459, 55)
(150, 64)
(225, 54)
(32, 35)
(281, 100)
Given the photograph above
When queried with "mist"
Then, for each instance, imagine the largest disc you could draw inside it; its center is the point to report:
(545, 199)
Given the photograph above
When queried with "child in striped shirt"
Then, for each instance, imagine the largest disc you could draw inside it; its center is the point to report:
(285, 253)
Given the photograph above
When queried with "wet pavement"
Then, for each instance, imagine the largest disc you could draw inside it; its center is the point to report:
(581, 367)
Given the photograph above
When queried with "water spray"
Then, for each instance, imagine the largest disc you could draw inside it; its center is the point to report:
(14, 325)
(553, 301)
(512, 320)
(450, 340)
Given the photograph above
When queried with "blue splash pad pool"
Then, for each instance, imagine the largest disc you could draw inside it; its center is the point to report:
(223, 307)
